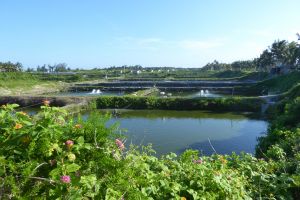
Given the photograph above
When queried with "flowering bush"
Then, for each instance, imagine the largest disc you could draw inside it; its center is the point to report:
(48, 156)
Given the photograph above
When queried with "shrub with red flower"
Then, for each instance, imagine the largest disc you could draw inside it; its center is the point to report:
(120, 144)
(65, 179)
(69, 143)
(199, 161)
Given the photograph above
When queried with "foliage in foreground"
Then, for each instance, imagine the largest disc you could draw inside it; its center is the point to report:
(283, 139)
(49, 157)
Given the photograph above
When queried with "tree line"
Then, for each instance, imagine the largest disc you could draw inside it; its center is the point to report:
(60, 67)
(280, 54)
(10, 67)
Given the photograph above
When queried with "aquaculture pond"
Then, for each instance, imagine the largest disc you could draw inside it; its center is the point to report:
(163, 93)
(175, 131)
(195, 94)
(92, 93)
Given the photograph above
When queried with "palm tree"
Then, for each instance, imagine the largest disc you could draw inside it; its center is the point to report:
(279, 51)
(292, 54)
(265, 61)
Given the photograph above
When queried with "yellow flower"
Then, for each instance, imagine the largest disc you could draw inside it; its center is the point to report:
(224, 161)
(183, 198)
(18, 126)
(78, 126)
(23, 113)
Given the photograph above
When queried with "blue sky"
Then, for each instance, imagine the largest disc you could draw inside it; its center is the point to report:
(98, 33)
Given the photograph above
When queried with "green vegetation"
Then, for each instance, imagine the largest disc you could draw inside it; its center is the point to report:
(10, 67)
(148, 92)
(16, 79)
(282, 141)
(49, 157)
(278, 84)
(170, 103)
(132, 73)
(53, 156)
(72, 77)
(281, 53)
(20, 83)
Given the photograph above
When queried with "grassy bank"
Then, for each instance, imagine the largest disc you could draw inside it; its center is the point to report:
(212, 104)
(272, 85)
(20, 83)
(209, 76)
(278, 84)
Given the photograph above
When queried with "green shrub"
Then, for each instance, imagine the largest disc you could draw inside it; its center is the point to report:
(213, 104)
(48, 157)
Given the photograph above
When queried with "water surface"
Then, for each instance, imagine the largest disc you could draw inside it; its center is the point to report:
(175, 131)
(91, 93)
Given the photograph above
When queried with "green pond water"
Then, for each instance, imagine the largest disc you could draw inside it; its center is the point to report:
(176, 131)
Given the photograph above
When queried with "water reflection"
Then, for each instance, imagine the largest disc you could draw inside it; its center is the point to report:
(175, 131)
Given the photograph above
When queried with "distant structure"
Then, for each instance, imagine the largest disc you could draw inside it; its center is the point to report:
(298, 35)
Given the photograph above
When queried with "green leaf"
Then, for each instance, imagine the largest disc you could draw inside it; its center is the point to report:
(17, 152)
(88, 181)
(28, 123)
(55, 173)
(80, 140)
(72, 167)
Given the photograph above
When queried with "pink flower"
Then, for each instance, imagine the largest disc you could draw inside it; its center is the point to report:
(199, 161)
(65, 179)
(69, 143)
(120, 144)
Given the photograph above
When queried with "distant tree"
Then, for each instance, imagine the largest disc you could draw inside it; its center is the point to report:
(19, 66)
(42, 68)
(265, 60)
(51, 68)
(10, 67)
(60, 67)
(30, 69)
(292, 54)
(279, 51)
